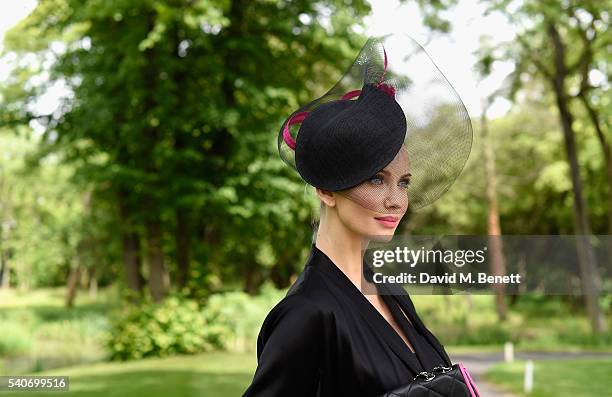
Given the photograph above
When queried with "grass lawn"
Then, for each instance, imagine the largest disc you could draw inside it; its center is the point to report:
(37, 332)
(564, 378)
(210, 374)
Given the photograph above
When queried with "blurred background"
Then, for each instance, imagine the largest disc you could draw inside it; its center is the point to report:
(147, 224)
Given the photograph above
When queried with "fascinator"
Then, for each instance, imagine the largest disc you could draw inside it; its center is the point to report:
(392, 110)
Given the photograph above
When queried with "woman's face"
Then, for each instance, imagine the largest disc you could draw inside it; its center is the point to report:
(375, 207)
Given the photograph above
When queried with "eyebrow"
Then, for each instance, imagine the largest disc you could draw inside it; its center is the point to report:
(388, 173)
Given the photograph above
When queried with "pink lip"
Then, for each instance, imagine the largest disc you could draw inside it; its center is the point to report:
(388, 221)
(388, 218)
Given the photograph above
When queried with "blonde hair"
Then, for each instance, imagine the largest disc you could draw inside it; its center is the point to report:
(315, 221)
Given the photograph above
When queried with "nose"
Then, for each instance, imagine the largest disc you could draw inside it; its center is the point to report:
(396, 199)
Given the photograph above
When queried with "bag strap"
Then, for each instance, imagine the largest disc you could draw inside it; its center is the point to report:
(468, 380)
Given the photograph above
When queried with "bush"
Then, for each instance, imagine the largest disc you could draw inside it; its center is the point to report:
(174, 326)
(238, 316)
(16, 333)
(15, 339)
(178, 325)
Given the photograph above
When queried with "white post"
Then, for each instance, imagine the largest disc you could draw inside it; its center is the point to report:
(508, 352)
(528, 381)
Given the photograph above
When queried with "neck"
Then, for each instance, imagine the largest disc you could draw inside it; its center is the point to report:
(341, 245)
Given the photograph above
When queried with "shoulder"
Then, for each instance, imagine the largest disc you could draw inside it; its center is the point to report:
(306, 308)
(295, 323)
(295, 307)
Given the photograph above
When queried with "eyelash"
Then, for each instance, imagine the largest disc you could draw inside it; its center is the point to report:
(382, 178)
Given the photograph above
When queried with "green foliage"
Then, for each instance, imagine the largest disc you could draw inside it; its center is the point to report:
(175, 326)
(172, 113)
(533, 185)
(45, 222)
(15, 338)
(37, 331)
(178, 325)
(240, 316)
(534, 322)
(433, 13)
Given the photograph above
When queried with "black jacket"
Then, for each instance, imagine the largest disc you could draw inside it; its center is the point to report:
(324, 338)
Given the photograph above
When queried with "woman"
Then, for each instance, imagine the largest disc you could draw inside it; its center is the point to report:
(363, 150)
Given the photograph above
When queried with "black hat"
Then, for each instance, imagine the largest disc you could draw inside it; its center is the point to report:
(336, 137)
(392, 97)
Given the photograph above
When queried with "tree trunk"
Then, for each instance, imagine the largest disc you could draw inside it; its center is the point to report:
(130, 242)
(182, 236)
(78, 274)
(155, 260)
(151, 136)
(84, 277)
(71, 286)
(252, 279)
(498, 265)
(280, 274)
(5, 270)
(182, 247)
(93, 284)
(586, 255)
(277, 277)
(607, 154)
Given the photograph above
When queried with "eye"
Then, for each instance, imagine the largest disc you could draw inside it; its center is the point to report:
(376, 180)
(404, 183)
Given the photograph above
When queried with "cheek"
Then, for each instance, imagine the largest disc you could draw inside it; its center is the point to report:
(356, 218)
(374, 198)
(365, 196)
(404, 201)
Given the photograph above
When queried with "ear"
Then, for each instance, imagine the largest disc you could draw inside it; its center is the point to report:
(328, 198)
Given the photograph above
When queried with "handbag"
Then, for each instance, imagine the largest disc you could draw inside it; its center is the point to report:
(453, 381)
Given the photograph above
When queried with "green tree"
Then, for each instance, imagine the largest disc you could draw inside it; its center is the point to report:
(174, 106)
(556, 42)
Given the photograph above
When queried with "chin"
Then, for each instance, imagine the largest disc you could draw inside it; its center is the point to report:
(383, 235)
(382, 238)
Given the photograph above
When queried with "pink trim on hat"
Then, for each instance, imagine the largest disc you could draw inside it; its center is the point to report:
(387, 89)
(299, 117)
(295, 119)
(351, 94)
(385, 70)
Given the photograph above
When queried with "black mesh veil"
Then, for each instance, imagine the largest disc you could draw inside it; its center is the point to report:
(438, 137)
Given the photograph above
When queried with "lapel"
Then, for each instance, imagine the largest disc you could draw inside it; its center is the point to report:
(402, 297)
(372, 317)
